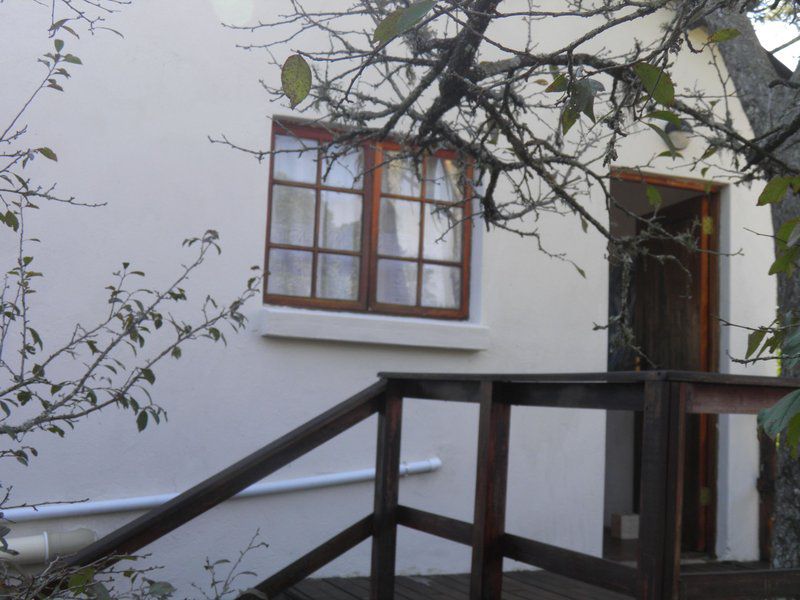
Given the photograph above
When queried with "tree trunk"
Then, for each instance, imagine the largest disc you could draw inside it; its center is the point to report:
(786, 531)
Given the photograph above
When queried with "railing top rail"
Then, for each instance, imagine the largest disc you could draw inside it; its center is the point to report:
(604, 377)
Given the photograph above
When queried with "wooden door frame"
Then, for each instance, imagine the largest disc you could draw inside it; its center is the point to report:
(709, 323)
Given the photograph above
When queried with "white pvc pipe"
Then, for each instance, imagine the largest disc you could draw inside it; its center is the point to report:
(100, 507)
(46, 546)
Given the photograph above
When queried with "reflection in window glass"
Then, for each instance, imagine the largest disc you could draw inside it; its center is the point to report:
(397, 282)
(340, 221)
(289, 273)
(399, 228)
(442, 179)
(292, 219)
(399, 175)
(441, 286)
(443, 231)
(337, 277)
(296, 159)
(347, 170)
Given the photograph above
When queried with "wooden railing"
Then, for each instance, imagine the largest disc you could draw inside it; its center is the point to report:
(664, 398)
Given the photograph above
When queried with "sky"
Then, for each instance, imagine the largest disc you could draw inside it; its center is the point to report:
(774, 34)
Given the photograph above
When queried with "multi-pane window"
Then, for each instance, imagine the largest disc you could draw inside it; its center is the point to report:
(368, 229)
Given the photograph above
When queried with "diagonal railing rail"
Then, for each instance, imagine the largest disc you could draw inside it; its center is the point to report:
(216, 489)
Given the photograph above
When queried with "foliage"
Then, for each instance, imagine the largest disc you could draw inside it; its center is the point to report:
(125, 580)
(50, 385)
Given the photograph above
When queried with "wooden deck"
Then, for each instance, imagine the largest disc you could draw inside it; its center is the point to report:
(517, 585)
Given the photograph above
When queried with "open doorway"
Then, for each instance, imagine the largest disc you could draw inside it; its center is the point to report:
(673, 310)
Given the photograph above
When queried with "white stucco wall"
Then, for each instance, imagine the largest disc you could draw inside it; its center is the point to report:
(131, 131)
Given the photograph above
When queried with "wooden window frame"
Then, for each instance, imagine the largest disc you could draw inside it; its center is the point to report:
(371, 193)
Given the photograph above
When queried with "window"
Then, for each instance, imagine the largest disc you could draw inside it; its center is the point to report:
(367, 230)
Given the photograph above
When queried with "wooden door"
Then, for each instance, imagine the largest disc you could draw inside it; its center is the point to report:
(675, 326)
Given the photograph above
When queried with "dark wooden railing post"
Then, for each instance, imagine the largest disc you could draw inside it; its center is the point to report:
(486, 581)
(674, 489)
(652, 511)
(387, 480)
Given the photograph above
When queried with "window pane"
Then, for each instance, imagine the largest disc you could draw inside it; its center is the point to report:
(399, 228)
(397, 282)
(337, 277)
(441, 286)
(443, 231)
(292, 220)
(399, 175)
(442, 179)
(296, 160)
(347, 170)
(340, 221)
(289, 273)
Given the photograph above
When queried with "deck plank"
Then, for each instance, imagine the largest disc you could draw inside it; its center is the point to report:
(517, 585)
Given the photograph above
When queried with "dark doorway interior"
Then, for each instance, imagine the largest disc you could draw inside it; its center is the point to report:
(672, 309)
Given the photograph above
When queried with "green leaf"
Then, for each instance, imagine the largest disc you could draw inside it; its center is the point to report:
(11, 220)
(583, 95)
(161, 589)
(568, 118)
(723, 35)
(560, 84)
(47, 153)
(785, 262)
(710, 151)
(793, 435)
(784, 231)
(794, 237)
(581, 100)
(55, 26)
(71, 58)
(663, 135)
(59, 44)
(72, 31)
(141, 421)
(665, 115)
(99, 591)
(80, 579)
(754, 341)
(296, 79)
(401, 20)
(791, 350)
(776, 419)
(775, 190)
(148, 375)
(653, 196)
(656, 82)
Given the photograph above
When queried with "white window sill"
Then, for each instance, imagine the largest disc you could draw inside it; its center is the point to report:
(297, 323)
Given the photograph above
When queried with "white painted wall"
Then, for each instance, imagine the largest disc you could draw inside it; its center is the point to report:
(131, 131)
(738, 468)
